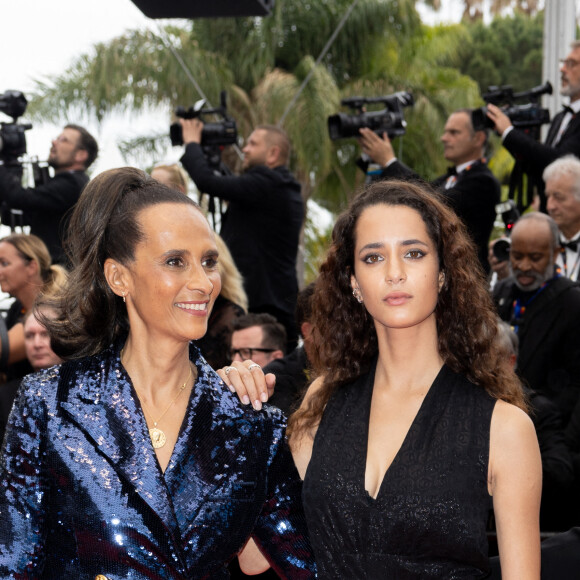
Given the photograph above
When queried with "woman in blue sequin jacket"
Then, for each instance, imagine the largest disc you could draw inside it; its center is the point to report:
(133, 459)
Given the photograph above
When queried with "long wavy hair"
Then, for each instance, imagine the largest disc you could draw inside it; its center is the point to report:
(347, 341)
(104, 224)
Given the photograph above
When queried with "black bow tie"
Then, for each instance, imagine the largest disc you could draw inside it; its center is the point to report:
(568, 109)
(573, 245)
(452, 170)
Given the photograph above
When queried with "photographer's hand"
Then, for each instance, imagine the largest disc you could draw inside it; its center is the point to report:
(379, 150)
(501, 120)
(192, 129)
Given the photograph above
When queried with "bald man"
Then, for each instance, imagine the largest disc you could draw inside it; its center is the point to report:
(543, 308)
(262, 224)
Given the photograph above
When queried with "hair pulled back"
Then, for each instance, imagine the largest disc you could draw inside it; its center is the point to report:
(466, 319)
(104, 224)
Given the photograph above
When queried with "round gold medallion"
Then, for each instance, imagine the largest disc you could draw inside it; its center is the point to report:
(158, 438)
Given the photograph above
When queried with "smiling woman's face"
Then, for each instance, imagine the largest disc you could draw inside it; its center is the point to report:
(173, 282)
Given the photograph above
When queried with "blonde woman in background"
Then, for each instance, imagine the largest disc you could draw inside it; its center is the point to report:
(26, 272)
(231, 303)
(173, 176)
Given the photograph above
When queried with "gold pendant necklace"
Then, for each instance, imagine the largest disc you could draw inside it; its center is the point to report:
(158, 437)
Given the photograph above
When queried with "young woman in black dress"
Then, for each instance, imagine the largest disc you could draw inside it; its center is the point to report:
(413, 429)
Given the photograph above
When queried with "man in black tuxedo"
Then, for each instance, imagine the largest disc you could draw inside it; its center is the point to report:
(264, 217)
(564, 133)
(46, 207)
(469, 187)
(543, 307)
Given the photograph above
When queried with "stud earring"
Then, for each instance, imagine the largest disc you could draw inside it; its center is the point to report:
(357, 295)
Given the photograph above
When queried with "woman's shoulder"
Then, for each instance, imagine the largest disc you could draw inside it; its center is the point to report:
(509, 420)
(228, 404)
(39, 389)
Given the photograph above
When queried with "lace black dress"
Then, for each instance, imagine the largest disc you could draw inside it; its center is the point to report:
(429, 517)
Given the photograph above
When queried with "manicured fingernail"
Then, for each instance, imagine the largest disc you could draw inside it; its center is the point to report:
(257, 405)
(264, 397)
(231, 388)
(246, 400)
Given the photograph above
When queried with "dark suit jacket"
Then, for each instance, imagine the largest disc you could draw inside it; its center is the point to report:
(549, 350)
(291, 379)
(556, 514)
(45, 207)
(537, 156)
(534, 157)
(82, 492)
(473, 198)
(560, 557)
(261, 226)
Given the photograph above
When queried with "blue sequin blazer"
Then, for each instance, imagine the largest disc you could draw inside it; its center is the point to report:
(82, 493)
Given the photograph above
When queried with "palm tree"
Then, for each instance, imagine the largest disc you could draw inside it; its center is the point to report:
(261, 69)
(381, 48)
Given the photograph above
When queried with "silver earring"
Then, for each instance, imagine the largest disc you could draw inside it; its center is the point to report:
(124, 301)
(356, 294)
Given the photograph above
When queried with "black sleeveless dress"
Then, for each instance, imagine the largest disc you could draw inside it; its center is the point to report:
(429, 517)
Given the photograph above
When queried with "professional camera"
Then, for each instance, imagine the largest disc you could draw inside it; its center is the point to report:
(388, 120)
(12, 137)
(523, 116)
(213, 134)
(509, 213)
(501, 249)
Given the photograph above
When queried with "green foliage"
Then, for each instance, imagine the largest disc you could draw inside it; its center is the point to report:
(506, 52)
(262, 63)
(131, 73)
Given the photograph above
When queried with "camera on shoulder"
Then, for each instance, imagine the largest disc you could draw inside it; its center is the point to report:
(12, 135)
(214, 134)
(523, 116)
(389, 119)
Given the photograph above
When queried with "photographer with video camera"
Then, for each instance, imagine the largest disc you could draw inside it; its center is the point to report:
(563, 135)
(45, 205)
(469, 186)
(262, 224)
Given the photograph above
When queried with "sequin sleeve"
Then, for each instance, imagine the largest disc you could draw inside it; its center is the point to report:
(23, 483)
(281, 531)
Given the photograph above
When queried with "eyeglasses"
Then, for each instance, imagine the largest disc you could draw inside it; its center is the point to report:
(246, 353)
(569, 62)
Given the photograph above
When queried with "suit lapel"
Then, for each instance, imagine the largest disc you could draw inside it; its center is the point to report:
(572, 128)
(98, 397)
(212, 455)
(195, 445)
(554, 128)
(538, 321)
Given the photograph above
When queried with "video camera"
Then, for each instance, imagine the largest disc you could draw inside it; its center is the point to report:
(213, 134)
(12, 137)
(523, 116)
(389, 120)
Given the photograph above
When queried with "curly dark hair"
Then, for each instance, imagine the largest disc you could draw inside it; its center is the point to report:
(465, 315)
(104, 224)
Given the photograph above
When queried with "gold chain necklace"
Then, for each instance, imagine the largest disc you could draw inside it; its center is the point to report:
(158, 437)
